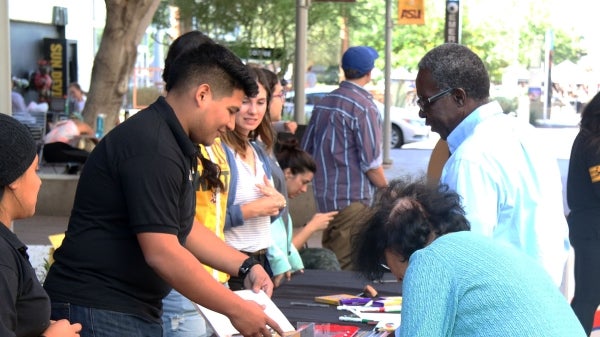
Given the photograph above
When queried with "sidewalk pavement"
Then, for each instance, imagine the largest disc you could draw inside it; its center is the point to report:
(35, 230)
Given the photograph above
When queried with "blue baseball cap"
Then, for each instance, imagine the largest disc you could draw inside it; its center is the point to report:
(359, 58)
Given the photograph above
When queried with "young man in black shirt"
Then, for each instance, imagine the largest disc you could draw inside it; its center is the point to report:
(131, 235)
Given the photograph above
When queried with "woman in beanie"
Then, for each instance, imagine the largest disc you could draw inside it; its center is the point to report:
(24, 305)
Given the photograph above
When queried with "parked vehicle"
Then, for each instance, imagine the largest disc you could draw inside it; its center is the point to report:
(407, 126)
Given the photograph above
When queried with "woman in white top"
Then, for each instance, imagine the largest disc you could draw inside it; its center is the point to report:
(62, 142)
(77, 99)
(254, 198)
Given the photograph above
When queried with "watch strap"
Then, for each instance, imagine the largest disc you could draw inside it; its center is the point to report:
(246, 266)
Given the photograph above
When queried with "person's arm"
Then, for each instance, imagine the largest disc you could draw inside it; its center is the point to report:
(263, 206)
(18, 102)
(86, 130)
(277, 253)
(291, 126)
(368, 137)
(428, 313)
(270, 204)
(318, 222)
(439, 157)
(182, 269)
(377, 177)
(278, 126)
(592, 161)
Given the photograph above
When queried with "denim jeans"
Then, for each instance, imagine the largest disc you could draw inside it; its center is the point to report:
(105, 323)
(181, 319)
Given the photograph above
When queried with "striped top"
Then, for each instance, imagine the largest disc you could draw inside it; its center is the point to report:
(255, 233)
(344, 136)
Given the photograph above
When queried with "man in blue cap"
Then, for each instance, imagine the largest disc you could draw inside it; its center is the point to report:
(344, 136)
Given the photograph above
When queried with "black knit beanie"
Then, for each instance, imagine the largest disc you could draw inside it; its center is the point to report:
(17, 149)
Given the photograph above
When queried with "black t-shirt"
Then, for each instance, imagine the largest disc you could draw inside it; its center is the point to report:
(24, 305)
(583, 193)
(139, 178)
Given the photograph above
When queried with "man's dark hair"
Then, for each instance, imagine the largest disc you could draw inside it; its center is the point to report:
(210, 64)
(189, 43)
(352, 74)
(186, 42)
(271, 79)
(590, 122)
(455, 66)
(402, 217)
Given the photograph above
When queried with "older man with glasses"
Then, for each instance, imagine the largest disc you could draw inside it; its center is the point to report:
(510, 185)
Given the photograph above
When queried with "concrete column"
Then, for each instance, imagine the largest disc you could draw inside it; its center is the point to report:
(387, 124)
(5, 76)
(5, 73)
(300, 60)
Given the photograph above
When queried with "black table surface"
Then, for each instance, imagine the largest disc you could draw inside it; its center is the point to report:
(305, 287)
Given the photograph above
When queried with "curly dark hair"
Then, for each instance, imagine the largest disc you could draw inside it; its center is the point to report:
(590, 121)
(401, 219)
(211, 173)
(291, 155)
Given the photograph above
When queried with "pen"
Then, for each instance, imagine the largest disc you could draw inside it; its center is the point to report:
(357, 320)
(355, 301)
(308, 304)
(390, 308)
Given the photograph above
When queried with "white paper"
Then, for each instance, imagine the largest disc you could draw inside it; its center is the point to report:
(222, 325)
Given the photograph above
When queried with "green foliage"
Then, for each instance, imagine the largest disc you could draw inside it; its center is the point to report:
(147, 95)
(508, 104)
(160, 20)
(271, 24)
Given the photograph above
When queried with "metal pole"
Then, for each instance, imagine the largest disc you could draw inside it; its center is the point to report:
(300, 61)
(387, 124)
(452, 28)
(547, 87)
(5, 71)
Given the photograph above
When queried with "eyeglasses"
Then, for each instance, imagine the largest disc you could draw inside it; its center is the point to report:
(281, 95)
(422, 102)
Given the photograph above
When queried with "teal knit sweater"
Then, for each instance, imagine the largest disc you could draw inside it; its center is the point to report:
(464, 284)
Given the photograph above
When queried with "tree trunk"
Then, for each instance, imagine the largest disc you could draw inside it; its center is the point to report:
(126, 23)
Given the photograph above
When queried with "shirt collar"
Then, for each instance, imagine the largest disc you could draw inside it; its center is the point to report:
(467, 126)
(188, 148)
(13, 240)
(356, 87)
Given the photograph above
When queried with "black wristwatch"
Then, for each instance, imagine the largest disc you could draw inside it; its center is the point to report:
(246, 266)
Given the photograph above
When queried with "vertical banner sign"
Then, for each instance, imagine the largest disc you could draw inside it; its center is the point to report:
(55, 51)
(411, 12)
(452, 27)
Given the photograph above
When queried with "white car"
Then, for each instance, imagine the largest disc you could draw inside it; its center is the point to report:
(407, 126)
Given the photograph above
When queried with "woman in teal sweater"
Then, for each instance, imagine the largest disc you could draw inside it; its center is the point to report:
(298, 169)
(456, 283)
